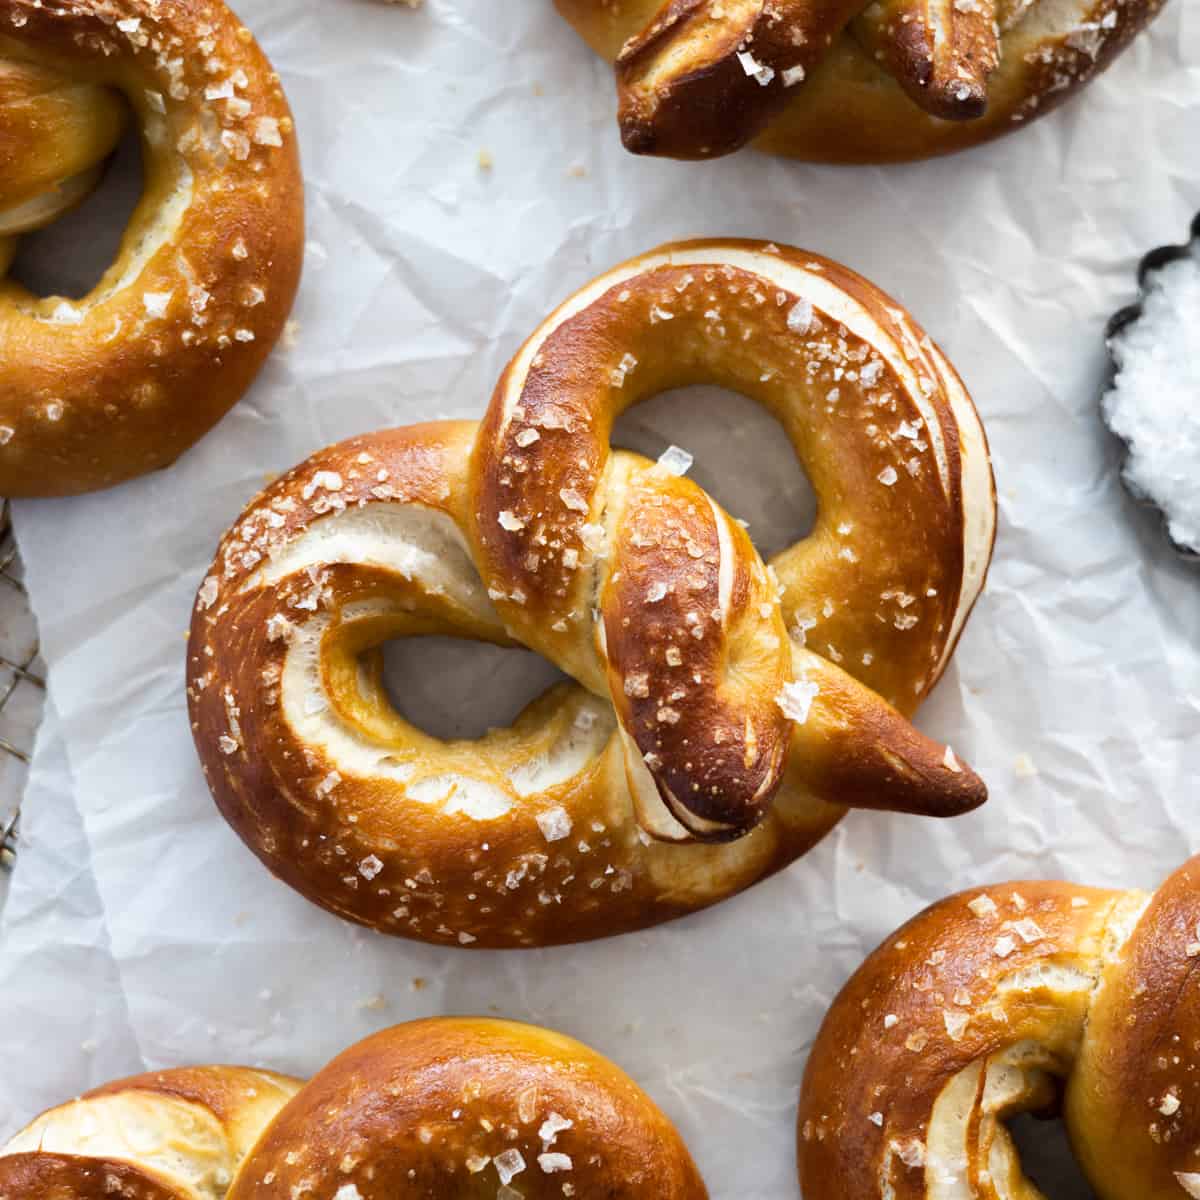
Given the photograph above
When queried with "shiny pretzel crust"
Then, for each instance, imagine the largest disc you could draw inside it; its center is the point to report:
(41, 1175)
(996, 1002)
(583, 819)
(98, 390)
(167, 1135)
(846, 80)
(447, 1108)
(432, 1107)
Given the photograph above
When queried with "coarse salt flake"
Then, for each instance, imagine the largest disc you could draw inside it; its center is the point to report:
(675, 461)
(327, 785)
(800, 316)
(278, 627)
(591, 533)
(956, 1023)
(207, 596)
(509, 1165)
(637, 684)
(795, 700)
(554, 1124)
(622, 369)
(266, 132)
(156, 303)
(1029, 931)
(236, 143)
(329, 481)
(552, 1163)
(983, 906)
(760, 72)
(555, 824)
(911, 1153)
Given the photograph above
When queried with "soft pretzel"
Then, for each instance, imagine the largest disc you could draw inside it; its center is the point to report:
(169, 1135)
(98, 390)
(846, 80)
(996, 1002)
(431, 1110)
(717, 700)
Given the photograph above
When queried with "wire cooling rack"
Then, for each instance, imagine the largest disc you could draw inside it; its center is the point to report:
(22, 689)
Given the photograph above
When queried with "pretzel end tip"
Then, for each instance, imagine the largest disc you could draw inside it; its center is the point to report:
(638, 136)
(957, 100)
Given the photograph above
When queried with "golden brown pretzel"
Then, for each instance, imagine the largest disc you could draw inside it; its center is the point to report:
(169, 1135)
(699, 714)
(846, 80)
(996, 1002)
(432, 1110)
(98, 390)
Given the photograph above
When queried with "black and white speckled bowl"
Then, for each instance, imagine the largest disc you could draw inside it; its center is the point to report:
(1154, 261)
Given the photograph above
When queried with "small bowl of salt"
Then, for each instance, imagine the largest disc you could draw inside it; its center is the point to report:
(1153, 401)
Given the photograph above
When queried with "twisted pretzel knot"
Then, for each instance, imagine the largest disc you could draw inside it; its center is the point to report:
(97, 390)
(846, 80)
(699, 714)
(992, 1003)
(437, 1109)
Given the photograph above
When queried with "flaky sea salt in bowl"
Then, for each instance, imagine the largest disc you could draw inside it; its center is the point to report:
(1153, 403)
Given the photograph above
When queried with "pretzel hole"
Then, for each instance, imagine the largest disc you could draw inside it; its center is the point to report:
(427, 594)
(742, 454)
(455, 689)
(70, 256)
(1047, 1159)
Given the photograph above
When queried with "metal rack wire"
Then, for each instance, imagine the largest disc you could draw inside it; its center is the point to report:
(20, 681)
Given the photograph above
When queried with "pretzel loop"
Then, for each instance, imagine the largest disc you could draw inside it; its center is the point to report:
(54, 137)
(1001, 1001)
(98, 389)
(723, 713)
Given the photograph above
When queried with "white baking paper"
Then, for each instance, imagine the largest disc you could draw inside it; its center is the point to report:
(1076, 690)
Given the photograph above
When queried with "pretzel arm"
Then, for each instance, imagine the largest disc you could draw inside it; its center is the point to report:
(706, 76)
(941, 52)
(857, 751)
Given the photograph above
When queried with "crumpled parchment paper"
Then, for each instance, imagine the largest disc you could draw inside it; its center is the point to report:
(141, 933)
